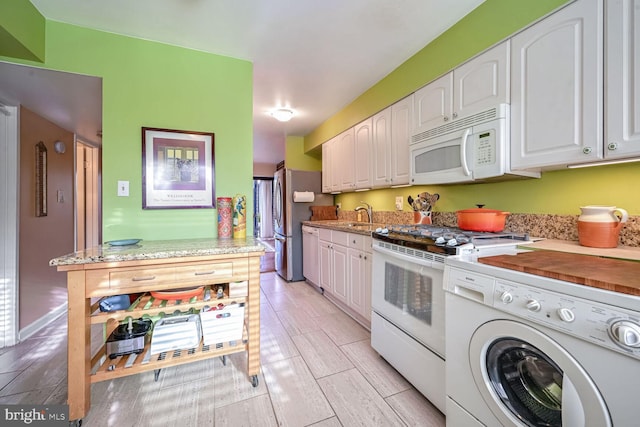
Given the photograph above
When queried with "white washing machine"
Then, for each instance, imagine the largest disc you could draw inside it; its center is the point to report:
(524, 350)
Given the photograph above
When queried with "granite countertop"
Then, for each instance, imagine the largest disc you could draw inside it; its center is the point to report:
(156, 249)
(364, 228)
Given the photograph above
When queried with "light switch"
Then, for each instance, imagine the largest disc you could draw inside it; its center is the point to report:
(398, 203)
(123, 188)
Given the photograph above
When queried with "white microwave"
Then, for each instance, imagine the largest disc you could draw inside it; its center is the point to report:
(471, 148)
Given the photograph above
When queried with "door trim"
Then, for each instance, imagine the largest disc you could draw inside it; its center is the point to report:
(9, 119)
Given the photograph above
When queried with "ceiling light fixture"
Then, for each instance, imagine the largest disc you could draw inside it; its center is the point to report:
(282, 114)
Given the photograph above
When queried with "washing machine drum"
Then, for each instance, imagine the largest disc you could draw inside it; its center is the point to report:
(527, 379)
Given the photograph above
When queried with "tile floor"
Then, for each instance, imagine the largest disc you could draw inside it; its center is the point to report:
(318, 369)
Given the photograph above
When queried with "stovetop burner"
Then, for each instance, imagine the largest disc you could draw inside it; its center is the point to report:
(445, 240)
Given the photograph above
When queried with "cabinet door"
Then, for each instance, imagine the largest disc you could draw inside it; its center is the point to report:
(356, 281)
(362, 154)
(381, 149)
(622, 122)
(340, 255)
(345, 160)
(368, 257)
(482, 82)
(326, 266)
(401, 125)
(433, 104)
(326, 167)
(556, 98)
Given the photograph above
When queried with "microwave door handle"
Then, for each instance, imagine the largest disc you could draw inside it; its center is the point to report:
(463, 152)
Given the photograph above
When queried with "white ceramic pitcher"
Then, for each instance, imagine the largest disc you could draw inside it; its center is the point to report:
(599, 226)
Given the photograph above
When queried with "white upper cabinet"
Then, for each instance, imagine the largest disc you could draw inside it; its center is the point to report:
(362, 154)
(345, 160)
(391, 135)
(381, 149)
(326, 167)
(331, 166)
(478, 84)
(557, 86)
(433, 104)
(622, 96)
(401, 126)
(483, 82)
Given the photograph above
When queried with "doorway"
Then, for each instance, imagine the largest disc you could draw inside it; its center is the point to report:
(87, 195)
(263, 220)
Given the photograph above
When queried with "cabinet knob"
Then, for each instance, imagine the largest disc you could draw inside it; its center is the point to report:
(587, 150)
(445, 118)
(612, 146)
(454, 115)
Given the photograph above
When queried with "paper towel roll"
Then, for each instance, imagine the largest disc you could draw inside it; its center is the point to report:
(303, 196)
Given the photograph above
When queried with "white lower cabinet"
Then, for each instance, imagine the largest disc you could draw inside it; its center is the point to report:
(333, 263)
(360, 274)
(345, 271)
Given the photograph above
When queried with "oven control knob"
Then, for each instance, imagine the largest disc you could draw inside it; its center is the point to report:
(626, 333)
(533, 305)
(506, 297)
(566, 315)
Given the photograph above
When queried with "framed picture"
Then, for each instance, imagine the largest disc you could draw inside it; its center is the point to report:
(178, 169)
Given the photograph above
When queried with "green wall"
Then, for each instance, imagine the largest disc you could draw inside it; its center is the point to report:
(296, 158)
(22, 30)
(148, 84)
(558, 192)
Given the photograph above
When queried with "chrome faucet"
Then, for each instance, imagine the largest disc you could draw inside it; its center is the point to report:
(368, 208)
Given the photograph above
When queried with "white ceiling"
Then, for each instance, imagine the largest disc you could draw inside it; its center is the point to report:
(314, 57)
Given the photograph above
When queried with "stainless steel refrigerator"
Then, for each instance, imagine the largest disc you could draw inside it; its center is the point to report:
(289, 214)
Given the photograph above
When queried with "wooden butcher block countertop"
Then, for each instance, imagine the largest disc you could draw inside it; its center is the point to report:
(604, 273)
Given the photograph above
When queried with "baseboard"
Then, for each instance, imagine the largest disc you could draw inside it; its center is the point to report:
(34, 327)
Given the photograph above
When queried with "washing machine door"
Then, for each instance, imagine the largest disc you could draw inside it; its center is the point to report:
(528, 379)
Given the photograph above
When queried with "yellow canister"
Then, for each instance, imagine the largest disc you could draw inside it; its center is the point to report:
(239, 216)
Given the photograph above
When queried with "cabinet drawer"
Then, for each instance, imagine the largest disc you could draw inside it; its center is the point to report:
(214, 272)
(360, 241)
(141, 277)
(340, 238)
(324, 234)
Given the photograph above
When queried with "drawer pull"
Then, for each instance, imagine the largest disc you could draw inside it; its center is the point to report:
(204, 273)
(144, 278)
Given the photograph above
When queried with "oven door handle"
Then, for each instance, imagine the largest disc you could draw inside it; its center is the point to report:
(408, 258)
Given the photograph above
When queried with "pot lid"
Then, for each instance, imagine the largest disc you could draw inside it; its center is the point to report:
(481, 209)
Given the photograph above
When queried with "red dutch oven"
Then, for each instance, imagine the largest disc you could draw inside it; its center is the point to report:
(480, 219)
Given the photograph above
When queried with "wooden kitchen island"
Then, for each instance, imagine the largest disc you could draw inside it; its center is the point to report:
(140, 268)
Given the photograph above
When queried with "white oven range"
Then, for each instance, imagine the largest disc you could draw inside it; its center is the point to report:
(408, 303)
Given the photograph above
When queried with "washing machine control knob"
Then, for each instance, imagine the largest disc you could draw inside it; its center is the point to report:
(533, 305)
(506, 297)
(626, 333)
(566, 315)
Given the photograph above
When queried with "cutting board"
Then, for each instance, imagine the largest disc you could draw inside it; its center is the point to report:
(320, 213)
(604, 273)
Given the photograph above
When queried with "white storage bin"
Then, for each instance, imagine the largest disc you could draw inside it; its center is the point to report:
(223, 325)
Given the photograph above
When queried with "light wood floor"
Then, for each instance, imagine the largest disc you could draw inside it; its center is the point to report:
(318, 368)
